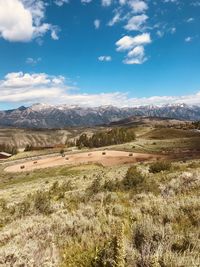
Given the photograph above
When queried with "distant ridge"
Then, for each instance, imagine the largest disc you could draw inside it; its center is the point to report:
(62, 116)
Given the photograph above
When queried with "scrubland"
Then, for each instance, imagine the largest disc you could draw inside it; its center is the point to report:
(144, 214)
(95, 216)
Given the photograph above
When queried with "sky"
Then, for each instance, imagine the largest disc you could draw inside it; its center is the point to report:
(99, 52)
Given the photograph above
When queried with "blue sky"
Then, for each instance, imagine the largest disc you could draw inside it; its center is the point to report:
(99, 52)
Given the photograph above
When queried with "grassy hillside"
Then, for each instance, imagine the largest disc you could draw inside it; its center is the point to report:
(170, 133)
(22, 137)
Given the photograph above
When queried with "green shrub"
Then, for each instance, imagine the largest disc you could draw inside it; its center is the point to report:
(23, 208)
(160, 166)
(95, 187)
(60, 189)
(62, 152)
(111, 185)
(133, 178)
(3, 204)
(113, 252)
(42, 203)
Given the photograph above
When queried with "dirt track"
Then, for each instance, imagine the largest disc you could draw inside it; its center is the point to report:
(106, 158)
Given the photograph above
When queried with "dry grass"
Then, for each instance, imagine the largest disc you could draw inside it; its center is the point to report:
(67, 217)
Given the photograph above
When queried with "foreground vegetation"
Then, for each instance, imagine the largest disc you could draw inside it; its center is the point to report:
(141, 215)
(92, 216)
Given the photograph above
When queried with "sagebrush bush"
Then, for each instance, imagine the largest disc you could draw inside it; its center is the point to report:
(160, 214)
(42, 203)
(112, 254)
(133, 178)
(160, 166)
(96, 186)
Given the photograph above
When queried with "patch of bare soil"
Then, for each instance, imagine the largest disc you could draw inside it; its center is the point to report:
(106, 158)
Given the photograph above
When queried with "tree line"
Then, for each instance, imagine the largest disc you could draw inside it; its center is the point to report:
(196, 125)
(8, 149)
(106, 138)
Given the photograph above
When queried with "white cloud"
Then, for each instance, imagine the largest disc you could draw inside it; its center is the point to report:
(16, 22)
(190, 20)
(136, 56)
(160, 33)
(16, 87)
(61, 2)
(40, 87)
(136, 23)
(32, 61)
(188, 39)
(106, 2)
(138, 6)
(128, 42)
(172, 30)
(86, 1)
(122, 2)
(135, 46)
(22, 20)
(54, 33)
(105, 58)
(97, 23)
(115, 19)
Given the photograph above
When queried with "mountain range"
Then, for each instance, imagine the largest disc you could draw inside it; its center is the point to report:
(61, 116)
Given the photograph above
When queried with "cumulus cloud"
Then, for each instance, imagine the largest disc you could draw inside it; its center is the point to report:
(128, 42)
(136, 56)
(22, 20)
(138, 6)
(135, 47)
(136, 23)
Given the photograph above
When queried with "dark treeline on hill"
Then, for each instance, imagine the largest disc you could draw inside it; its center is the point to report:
(196, 125)
(29, 147)
(111, 137)
(8, 149)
